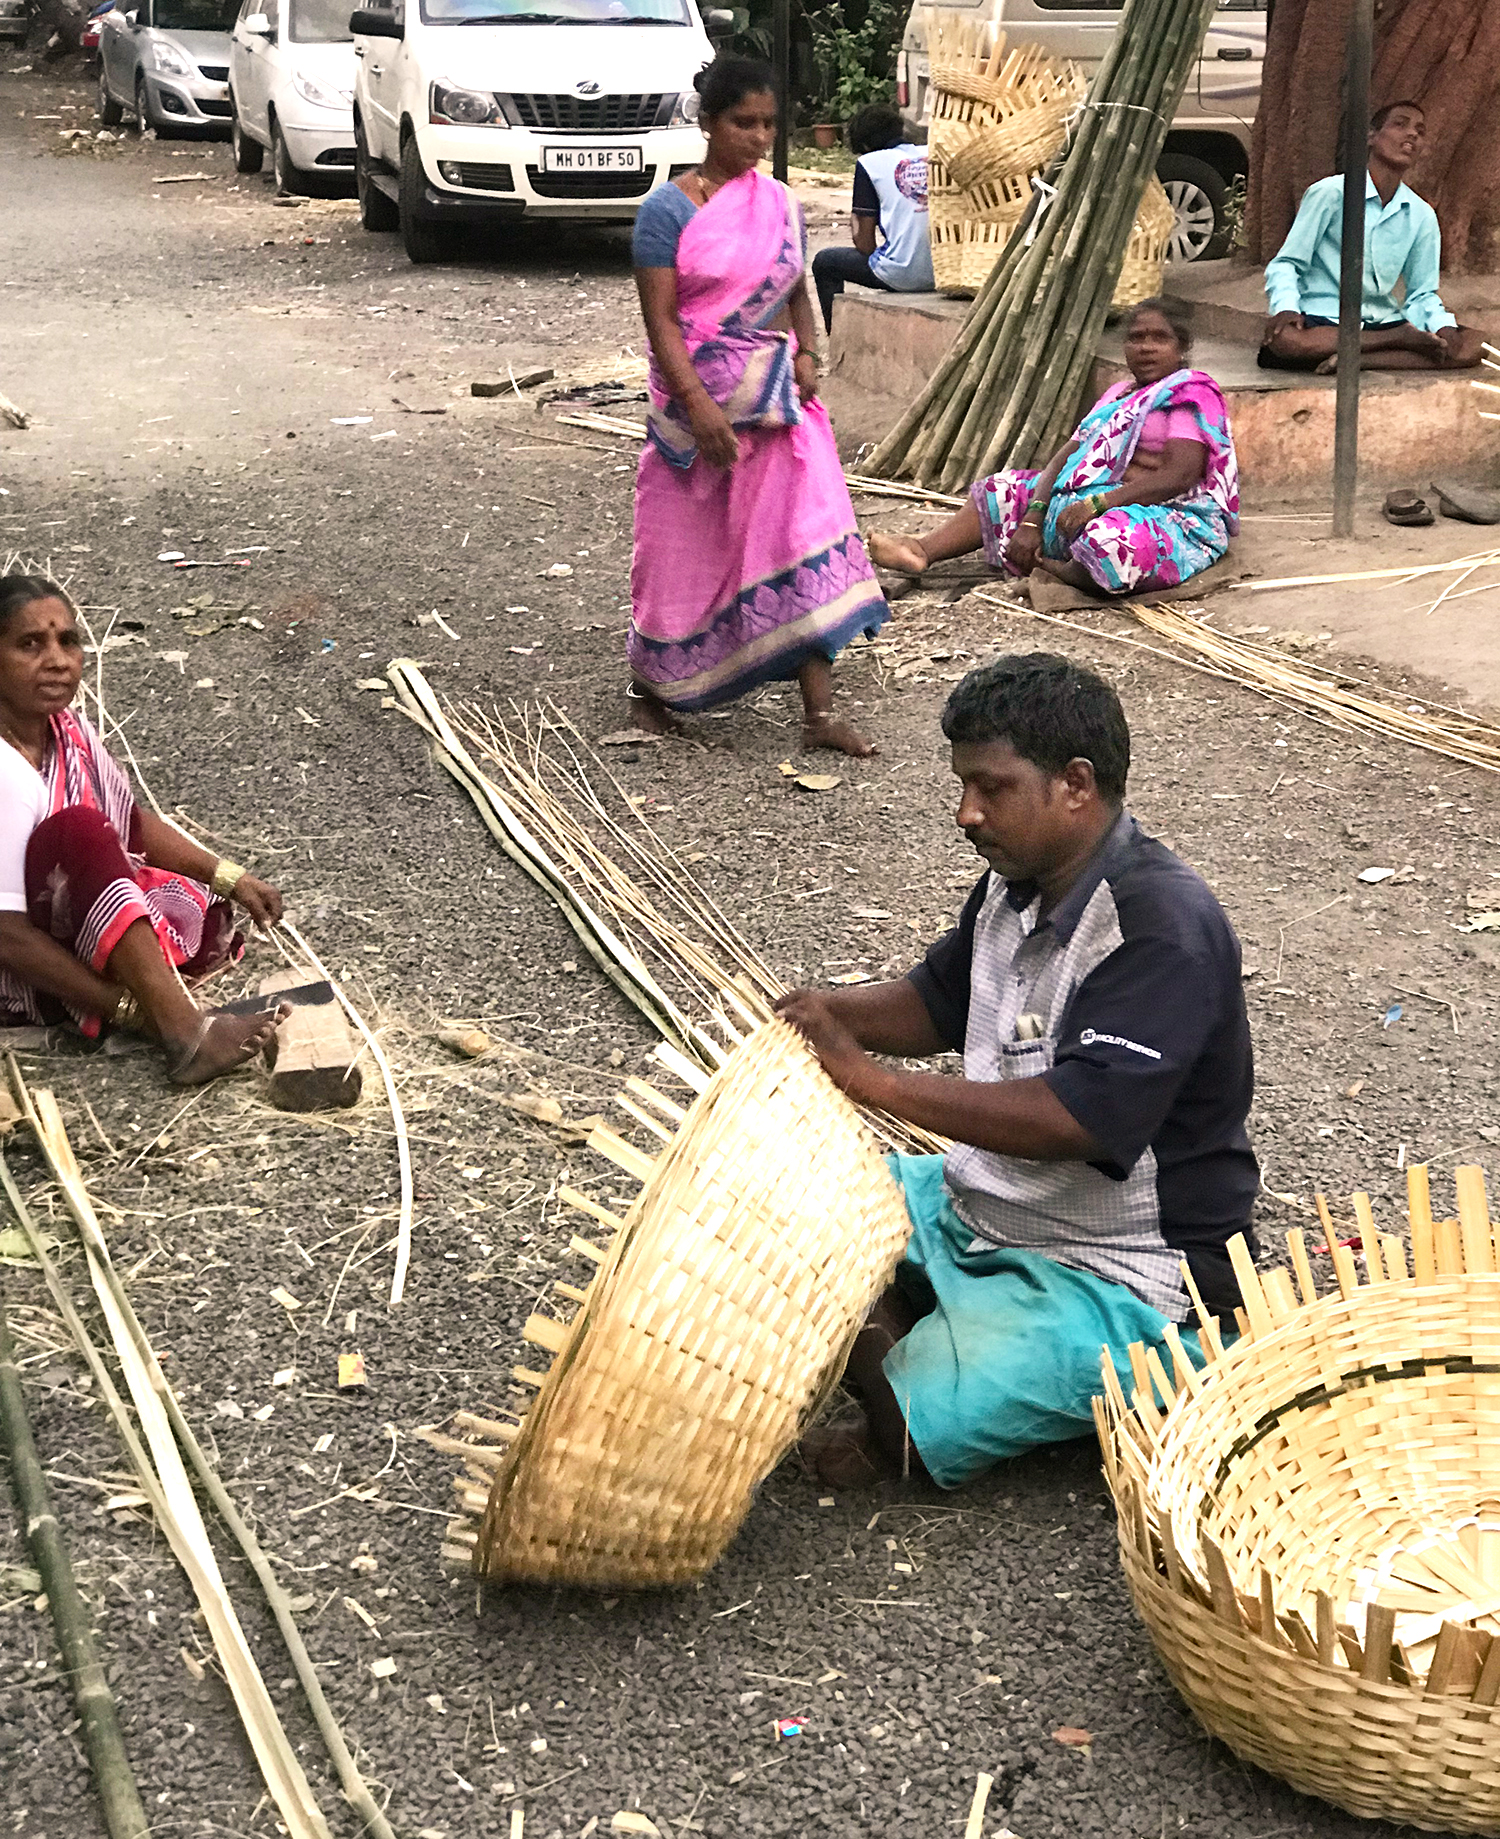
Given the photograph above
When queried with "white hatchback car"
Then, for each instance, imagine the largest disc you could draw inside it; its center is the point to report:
(291, 86)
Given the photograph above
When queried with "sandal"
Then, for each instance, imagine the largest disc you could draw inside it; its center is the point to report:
(1470, 504)
(1407, 509)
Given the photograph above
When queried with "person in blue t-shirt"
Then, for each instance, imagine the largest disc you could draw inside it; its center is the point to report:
(889, 218)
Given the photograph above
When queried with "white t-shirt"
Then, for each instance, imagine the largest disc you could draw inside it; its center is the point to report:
(24, 802)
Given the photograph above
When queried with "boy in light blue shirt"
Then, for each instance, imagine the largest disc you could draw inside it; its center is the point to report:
(1403, 249)
(890, 197)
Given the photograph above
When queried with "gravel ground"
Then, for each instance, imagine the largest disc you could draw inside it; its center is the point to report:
(1012, 1620)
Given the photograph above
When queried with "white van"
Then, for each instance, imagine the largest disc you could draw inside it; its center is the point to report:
(469, 111)
(1208, 147)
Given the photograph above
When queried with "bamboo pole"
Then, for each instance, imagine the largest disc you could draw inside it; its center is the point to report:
(177, 1509)
(114, 1779)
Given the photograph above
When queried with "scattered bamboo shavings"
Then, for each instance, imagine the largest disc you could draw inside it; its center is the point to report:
(393, 1098)
(974, 1827)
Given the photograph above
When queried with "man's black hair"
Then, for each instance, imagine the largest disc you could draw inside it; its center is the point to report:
(876, 127)
(1050, 710)
(1383, 115)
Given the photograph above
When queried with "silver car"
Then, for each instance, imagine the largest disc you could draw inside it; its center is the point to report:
(15, 19)
(168, 62)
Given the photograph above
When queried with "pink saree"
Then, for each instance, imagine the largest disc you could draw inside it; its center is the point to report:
(741, 574)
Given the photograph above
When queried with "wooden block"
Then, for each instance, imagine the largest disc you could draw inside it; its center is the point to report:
(312, 1057)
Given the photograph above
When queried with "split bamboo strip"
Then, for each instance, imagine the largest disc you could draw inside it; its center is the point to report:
(1482, 559)
(1335, 1470)
(393, 1099)
(179, 1517)
(119, 1799)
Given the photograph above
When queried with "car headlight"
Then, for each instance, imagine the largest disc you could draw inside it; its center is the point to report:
(318, 94)
(468, 108)
(174, 62)
(685, 109)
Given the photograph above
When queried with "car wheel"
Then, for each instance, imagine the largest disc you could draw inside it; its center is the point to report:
(425, 242)
(376, 212)
(110, 112)
(291, 181)
(144, 119)
(249, 155)
(1199, 196)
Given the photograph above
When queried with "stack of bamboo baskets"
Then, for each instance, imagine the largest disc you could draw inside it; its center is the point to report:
(718, 1321)
(1310, 1526)
(998, 118)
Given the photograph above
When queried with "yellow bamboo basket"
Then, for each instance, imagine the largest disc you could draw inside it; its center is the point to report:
(1145, 262)
(717, 1324)
(1017, 145)
(1310, 1526)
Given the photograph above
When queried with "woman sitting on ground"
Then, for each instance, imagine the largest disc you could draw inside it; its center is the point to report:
(1144, 494)
(104, 908)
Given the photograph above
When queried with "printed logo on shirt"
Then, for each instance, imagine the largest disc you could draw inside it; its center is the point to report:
(911, 182)
(1090, 1036)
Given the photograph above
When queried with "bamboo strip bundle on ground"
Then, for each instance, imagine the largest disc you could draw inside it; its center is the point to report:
(1009, 389)
(119, 1799)
(164, 1481)
(644, 917)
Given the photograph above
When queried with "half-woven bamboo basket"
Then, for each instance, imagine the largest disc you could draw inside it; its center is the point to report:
(718, 1323)
(1310, 1526)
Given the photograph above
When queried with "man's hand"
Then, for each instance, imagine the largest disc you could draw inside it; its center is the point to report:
(1024, 549)
(1279, 323)
(1451, 338)
(846, 1063)
(259, 899)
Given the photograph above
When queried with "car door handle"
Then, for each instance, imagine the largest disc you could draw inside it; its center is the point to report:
(1235, 54)
(377, 70)
(359, 50)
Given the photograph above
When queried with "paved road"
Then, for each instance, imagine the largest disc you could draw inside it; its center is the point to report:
(186, 350)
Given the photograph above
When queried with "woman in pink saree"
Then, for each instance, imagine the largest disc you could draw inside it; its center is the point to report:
(748, 563)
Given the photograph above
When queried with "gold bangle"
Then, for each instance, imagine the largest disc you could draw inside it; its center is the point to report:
(227, 877)
(127, 1016)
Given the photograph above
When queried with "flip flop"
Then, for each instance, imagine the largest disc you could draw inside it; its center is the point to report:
(1407, 509)
(1470, 504)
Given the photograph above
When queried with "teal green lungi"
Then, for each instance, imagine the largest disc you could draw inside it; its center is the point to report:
(1006, 1355)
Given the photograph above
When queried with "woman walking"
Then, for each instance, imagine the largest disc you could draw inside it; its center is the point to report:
(1144, 494)
(748, 563)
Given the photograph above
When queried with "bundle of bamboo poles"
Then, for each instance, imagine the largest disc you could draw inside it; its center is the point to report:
(1009, 389)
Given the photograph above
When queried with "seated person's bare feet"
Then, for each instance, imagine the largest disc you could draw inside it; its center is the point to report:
(1073, 574)
(904, 555)
(821, 730)
(649, 713)
(222, 1044)
(846, 1456)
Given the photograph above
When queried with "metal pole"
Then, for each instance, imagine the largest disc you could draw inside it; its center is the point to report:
(1352, 267)
(781, 58)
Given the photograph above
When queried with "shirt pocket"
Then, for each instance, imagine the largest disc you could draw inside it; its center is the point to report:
(1026, 1059)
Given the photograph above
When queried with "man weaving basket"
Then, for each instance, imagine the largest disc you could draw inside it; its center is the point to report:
(1093, 987)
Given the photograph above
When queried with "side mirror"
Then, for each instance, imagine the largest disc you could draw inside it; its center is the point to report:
(719, 22)
(258, 26)
(375, 22)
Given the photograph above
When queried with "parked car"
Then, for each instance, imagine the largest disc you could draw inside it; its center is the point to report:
(1208, 147)
(93, 28)
(487, 111)
(291, 89)
(15, 19)
(167, 61)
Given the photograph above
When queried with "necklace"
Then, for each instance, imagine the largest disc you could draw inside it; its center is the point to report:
(705, 186)
(22, 747)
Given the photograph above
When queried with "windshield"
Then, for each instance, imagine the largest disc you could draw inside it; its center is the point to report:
(194, 15)
(556, 12)
(320, 22)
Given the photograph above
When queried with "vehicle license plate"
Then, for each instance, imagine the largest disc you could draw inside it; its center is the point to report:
(591, 159)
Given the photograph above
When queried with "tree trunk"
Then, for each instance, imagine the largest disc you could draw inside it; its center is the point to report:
(1444, 54)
